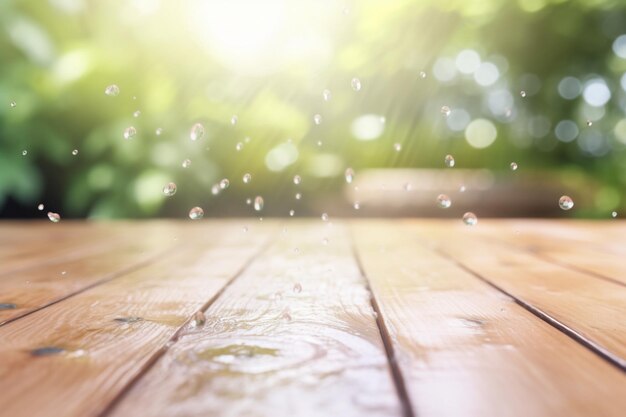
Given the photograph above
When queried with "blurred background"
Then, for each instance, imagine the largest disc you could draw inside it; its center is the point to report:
(317, 106)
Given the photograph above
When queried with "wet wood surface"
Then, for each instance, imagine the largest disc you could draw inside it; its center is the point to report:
(313, 318)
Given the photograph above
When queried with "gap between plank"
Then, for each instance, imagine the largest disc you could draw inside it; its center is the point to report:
(111, 277)
(550, 259)
(177, 335)
(396, 373)
(573, 334)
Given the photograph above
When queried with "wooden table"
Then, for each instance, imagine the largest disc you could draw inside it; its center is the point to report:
(312, 318)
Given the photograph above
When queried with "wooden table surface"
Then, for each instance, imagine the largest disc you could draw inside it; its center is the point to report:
(311, 318)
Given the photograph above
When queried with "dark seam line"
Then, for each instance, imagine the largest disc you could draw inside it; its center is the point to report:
(396, 373)
(594, 347)
(108, 278)
(176, 336)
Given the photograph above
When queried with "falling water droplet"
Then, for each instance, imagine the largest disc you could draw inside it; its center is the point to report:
(589, 123)
(224, 183)
(258, 203)
(325, 217)
(297, 179)
(169, 189)
(407, 186)
(137, 113)
(356, 205)
(13, 104)
(422, 74)
(513, 166)
(470, 219)
(566, 203)
(445, 110)
(129, 132)
(215, 189)
(186, 163)
(325, 241)
(40, 207)
(317, 119)
(24, 152)
(397, 147)
(298, 196)
(291, 213)
(234, 120)
(247, 178)
(159, 131)
(614, 214)
(349, 174)
(54, 217)
(522, 93)
(444, 201)
(196, 213)
(462, 188)
(449, 161)
(197, 131)
(238, 146)
(112, 90)
(198, 319)
(75, 152)
(297, 288)
(356, 84)
(327, 95)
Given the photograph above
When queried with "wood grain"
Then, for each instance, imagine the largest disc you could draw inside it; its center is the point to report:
(587, 307)
(466, 349)
(269, 349)
(75, 357)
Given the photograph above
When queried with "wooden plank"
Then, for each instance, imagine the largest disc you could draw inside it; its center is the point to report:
(269, 349)
(109, 333)
(464, 348)
(129, 247)
(563, 243)
(587, 308)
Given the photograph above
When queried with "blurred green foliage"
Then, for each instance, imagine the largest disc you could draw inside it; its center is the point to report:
(58, 56)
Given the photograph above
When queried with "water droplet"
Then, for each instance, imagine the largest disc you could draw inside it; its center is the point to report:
(13, 104)
(248, 201)
(444, 201)
(54, 217)
(422, 74)
(325, 241)
(566, 203)
(356, 84)
(470, 219)
(170, 189)
(614, 214)
(325, 217)
(589, 123)
(297, 288)
(239, 146)
(462, 188)
(327, 95)
(258, 203)
(129, 132)
(40, 207)
(245, 229)
(397, 147)
(349, 174)
(247, 178)
(522, 93)
(298, 196)
(224, 183)
(159, 131)
(297, 179)
(286, 314)
(196, 213)
(445, 110)
(356, 205)
(24, 152)
(513, 166)
(449, 161)
(292, 212)
(75, 152)
(47, 351)
(317, 119)
(407, 186)
(197, 131)
(215, 189)
(186, 163)
(198, 319)
(112, 90)
(137, 113)
(234, 120)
